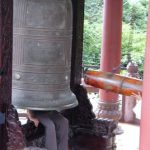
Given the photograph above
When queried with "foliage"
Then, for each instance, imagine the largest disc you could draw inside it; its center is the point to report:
(133, 43)
(93, 10)
(133, 35)
(92, 43)
(136, 14)
(92, 32)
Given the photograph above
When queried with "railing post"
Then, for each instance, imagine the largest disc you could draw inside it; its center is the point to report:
(130, 101)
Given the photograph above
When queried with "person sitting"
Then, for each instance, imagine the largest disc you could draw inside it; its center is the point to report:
(55, 128)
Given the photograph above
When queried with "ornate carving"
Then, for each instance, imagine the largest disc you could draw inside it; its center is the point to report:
(104, 128)
(82, 115)
(34, 136)
(82, 119)
(14, 130)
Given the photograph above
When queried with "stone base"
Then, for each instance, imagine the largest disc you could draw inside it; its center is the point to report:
(110, 110)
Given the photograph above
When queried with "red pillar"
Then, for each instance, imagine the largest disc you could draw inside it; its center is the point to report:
(145, 118)
(111, 43)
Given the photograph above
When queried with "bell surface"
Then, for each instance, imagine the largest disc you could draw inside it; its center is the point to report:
(42, 41)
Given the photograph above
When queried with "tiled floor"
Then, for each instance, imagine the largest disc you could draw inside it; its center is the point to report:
(129, 140)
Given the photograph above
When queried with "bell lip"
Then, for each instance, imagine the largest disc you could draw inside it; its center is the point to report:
(69, 106)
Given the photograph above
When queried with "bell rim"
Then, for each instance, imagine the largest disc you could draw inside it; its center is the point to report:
(59, 108)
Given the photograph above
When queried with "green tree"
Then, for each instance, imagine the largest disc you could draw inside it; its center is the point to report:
(92, 31)
(133, 35)
(134, 45)
(92, 43)
(93, 11)
(136, 14)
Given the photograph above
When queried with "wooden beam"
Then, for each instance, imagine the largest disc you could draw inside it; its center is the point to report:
(77, 42)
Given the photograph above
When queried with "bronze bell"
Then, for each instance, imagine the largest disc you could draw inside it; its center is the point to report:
(42, 42)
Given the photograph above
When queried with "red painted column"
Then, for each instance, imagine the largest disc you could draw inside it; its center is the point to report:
(145, 118)
(111, 45)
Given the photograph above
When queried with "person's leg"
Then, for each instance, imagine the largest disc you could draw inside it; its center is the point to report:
(50, 132)
(62, 127)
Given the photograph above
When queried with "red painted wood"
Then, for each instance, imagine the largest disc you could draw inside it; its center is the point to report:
(111, 41)
(145, 120)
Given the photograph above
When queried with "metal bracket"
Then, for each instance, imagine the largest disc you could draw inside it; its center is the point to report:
(2, 118)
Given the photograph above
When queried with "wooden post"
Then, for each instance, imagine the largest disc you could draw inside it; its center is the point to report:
(6, 13)
(130, 101)
(77, 42)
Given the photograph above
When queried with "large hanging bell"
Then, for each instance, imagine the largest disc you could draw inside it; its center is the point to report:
(42, 42)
